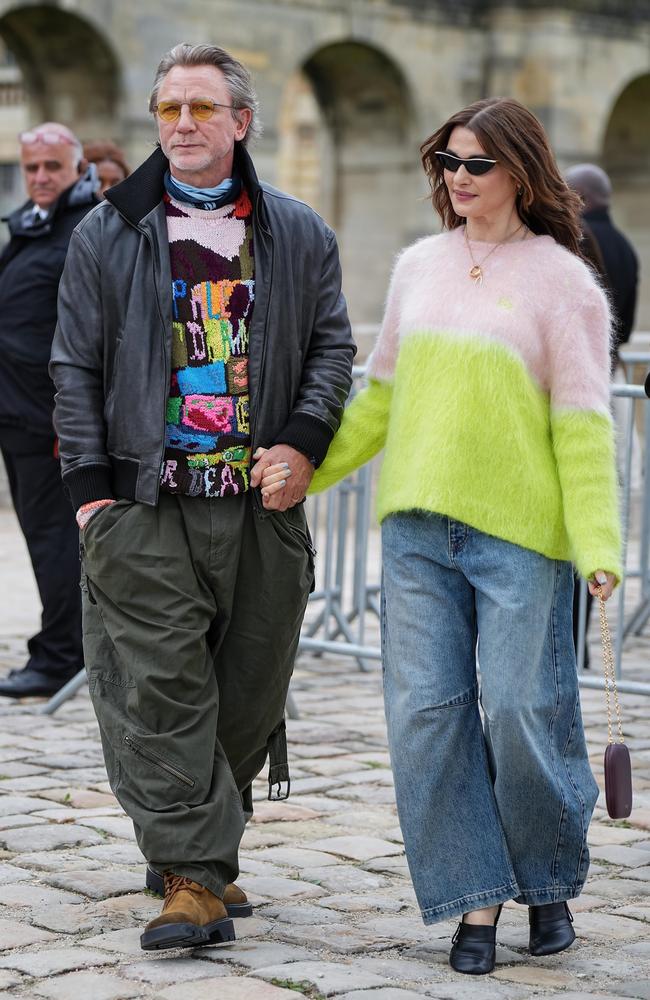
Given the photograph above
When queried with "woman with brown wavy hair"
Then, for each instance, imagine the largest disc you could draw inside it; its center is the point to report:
(488, 387)
(110, 161)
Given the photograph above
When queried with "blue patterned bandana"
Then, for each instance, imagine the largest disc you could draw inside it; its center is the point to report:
(206, 198)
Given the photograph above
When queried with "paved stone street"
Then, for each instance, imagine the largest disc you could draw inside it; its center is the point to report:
(334, 908)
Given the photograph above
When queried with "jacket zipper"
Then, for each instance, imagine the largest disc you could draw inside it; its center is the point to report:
(264, 341)
(168, 373)
(164, 332)
(154, 758)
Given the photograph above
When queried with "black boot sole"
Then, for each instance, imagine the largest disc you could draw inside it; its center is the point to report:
(473, 972)
(187, 935)
(154, 883)
(18, 691)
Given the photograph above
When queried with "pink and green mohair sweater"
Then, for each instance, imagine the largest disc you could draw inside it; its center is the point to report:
(492, 400)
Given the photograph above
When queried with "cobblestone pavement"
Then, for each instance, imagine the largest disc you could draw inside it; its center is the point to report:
(334, 908)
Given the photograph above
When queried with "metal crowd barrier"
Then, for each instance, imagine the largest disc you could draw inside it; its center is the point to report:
(348, 589)
(340, 522)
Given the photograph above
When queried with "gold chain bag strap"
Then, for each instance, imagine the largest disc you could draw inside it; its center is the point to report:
(618, 767)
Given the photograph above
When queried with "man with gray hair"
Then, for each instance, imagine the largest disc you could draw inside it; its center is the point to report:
(620, 261)
(202, 338)
(30, 269)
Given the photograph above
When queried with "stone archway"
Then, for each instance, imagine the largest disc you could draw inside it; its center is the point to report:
(54, 66)
(626, 158)
(69, 71)
(348, 147)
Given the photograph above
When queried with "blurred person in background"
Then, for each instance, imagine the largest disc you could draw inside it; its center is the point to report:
(621, 265)
(109, 161)
(615, 260)
(489, 388)
(60, 192)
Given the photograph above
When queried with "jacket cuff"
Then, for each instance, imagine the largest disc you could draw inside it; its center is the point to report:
(88, 483)
(307, 434)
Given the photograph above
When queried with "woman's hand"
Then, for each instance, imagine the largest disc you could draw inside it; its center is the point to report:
(283, 475)
(602, 584)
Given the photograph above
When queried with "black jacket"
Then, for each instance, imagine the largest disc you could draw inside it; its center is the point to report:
(621, 270)
(111, 357)
(30, 269)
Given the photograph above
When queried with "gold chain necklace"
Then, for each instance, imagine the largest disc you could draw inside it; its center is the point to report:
(476, 270)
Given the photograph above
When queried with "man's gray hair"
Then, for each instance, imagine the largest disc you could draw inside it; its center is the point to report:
(238, 79)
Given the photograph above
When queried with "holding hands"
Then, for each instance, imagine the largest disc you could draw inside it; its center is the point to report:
(283, 474)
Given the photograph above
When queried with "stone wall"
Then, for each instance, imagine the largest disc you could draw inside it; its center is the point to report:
(349, 90)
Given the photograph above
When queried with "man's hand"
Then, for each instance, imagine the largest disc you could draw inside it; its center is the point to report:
(88, 510)
(284, 475)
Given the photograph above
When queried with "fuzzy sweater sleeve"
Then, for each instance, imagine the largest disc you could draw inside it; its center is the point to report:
(582, 432)
(365, 422)
(361, 435)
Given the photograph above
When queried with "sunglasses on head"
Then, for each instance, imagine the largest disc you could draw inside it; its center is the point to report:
(48, 136)
(476, 165)
(201, 110)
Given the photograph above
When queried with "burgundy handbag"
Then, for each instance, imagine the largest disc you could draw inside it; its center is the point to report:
(618, 767)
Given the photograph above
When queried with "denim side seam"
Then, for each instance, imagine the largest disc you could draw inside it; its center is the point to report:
(577, 792)
(383, 626)
(463, 904)
(554, 647)
(563, 814)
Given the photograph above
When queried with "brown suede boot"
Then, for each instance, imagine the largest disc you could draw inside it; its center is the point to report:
(234, 898)
(236, 902)
(191, 916)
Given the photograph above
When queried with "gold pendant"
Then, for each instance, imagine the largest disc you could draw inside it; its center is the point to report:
(476, 275)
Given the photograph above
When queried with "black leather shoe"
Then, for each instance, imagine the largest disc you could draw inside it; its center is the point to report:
(550, 928)
(473, 948)
(30, 684)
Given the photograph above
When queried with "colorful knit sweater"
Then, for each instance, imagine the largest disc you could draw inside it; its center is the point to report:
(492, 401)
(207, 445)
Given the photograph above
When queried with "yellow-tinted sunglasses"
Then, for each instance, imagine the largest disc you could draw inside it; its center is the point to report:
(201, 110)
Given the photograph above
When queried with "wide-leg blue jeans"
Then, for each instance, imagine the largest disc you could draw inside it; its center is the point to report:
(498, 807)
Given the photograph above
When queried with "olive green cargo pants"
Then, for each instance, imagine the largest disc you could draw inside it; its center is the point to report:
(192, 613)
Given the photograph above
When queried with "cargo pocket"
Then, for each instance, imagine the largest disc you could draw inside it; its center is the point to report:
(295, 523)
(156, 760)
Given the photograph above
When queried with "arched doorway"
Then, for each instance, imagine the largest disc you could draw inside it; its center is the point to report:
(347, 146)
(69, 71)
(54, 65)
(626, 158)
